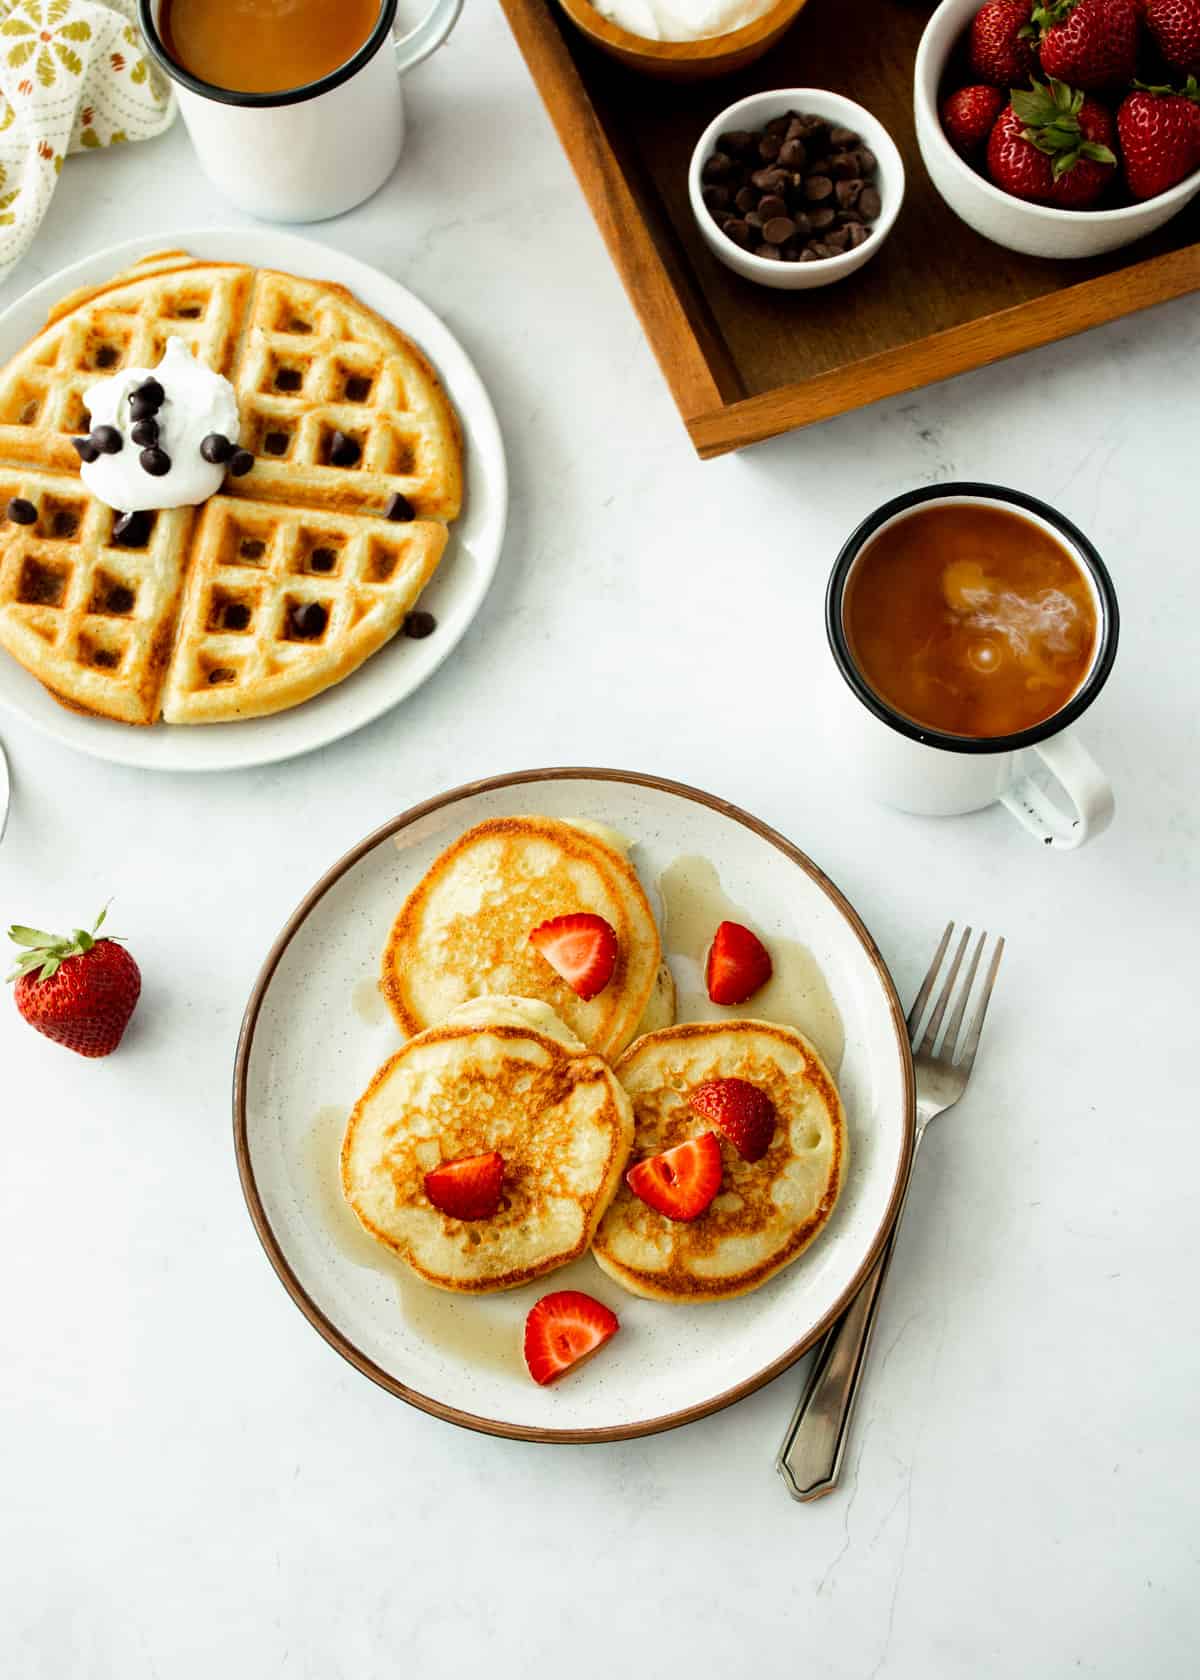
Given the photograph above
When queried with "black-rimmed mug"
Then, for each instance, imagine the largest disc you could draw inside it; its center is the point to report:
(309, 152)
(915, 768)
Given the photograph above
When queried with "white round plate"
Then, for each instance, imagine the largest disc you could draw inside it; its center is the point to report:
(315, 1030)
(454, 596)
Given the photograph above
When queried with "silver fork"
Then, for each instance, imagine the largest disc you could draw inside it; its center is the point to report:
(810, 1458)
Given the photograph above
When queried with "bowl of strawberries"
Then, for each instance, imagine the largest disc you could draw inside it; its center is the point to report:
(1061, 128)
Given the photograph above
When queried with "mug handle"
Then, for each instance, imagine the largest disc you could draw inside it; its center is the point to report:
(428, 35)
(1086, 786)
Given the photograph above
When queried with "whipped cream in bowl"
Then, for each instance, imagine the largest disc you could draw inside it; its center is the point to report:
(183, 405)
(682, 20)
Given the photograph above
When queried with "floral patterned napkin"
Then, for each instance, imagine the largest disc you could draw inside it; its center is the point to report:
(73, 75)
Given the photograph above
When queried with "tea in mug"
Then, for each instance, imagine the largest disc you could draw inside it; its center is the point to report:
(264, 46)
(970, 620)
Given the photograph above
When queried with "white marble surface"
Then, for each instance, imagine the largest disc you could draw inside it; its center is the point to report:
(194, 1484)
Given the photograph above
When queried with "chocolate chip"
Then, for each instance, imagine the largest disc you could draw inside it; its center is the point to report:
(240, 462)
(309, 619)
(778, 126)
(770, 180)
(344, 451)
(216, 448)
(870, 203)
(155, 461)
(842, 138)
(144, 433)
(805, 128)
(747, 199)
(843, 166)
(857, 235)
(399, 508)
(236, 616)
(817, 188)
(846, 218)
(736, 142)
(753, 220)
(868, 163)
(771, 252)
(22, 512)
(770, 205)
(778, 230)
(716, 198)
(769, 147)
(419, 624)
(803, 223)
(846, 193)
(739, 231)
(131, 530)
(108, 440)
(85, 449)
(837, 238)
(821, 217)
(819, 248)
(146, 399)
(792, 154)
(717, 167)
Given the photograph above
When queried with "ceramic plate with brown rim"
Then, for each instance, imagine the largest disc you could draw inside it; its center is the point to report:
(316, 1029)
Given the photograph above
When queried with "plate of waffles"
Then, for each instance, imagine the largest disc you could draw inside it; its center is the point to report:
(573, 1063)
(342, 555)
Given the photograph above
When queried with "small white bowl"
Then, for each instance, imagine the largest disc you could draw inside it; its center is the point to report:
(1036, 230)
(753, 113)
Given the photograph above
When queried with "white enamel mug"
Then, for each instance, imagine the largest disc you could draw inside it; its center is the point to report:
(915, 768)
(308, 152)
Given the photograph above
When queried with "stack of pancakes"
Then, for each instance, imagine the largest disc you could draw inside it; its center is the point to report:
(502, 1055)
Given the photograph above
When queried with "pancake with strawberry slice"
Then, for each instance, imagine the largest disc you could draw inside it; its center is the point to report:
(739, 1155)
(485, 1152)
(534, 907)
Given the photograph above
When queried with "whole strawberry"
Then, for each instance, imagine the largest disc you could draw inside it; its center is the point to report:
(1091, 44)
(1052, 145)
(79, 991)
(1160, 137)
(1001, 43)
(968, 116)
(1175, 26)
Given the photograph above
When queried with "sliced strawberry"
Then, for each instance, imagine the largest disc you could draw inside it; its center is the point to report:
(681, 1182)
(468, 1188)
(741, 1112)
(563, 1330)
(737, 965)
(581, 948)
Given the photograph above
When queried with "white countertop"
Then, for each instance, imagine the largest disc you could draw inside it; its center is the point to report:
(195, 1484)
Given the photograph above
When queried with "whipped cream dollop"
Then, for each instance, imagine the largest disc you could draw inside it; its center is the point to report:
(196, 404)
(681, 20)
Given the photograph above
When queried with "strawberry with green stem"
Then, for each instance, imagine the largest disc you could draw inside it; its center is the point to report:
(1052, 144)
(1160, 137)
(78, 990)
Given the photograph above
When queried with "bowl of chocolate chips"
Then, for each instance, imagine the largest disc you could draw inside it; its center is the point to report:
(796, 188)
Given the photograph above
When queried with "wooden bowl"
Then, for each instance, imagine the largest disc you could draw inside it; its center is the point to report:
(685, 61)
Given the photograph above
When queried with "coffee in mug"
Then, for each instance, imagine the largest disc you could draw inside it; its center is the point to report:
(970, 619)
(972, 625)
(264, 46)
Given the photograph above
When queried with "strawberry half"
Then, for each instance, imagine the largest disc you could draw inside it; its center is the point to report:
(468, 1188)
(741, 1112)
(582, 948)
(79, 991)
(681, 1182)
(563, 1330)
(738, 964)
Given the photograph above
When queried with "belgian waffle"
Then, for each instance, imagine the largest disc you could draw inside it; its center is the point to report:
(140, 629)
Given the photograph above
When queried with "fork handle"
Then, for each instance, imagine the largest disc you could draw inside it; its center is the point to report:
(810, 1457)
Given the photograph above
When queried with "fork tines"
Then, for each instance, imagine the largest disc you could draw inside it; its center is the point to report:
(950, 1050)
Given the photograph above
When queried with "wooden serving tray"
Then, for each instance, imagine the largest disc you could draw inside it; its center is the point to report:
(745, 363)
